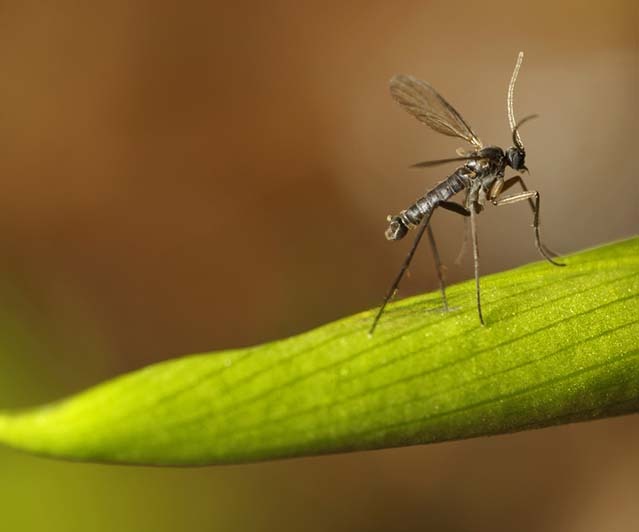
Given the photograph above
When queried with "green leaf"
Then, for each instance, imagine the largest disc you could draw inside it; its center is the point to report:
(560, 345)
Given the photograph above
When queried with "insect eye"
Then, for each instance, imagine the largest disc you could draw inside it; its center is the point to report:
(516, 158)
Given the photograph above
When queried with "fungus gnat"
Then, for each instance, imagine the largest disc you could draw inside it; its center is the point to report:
(481, 176)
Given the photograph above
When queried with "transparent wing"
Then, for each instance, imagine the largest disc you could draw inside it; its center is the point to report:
(429, 107)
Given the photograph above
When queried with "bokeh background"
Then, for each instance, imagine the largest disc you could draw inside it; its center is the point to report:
(179, 177)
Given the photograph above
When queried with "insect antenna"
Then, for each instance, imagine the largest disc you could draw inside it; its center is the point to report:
(516, 137)
(509, 101)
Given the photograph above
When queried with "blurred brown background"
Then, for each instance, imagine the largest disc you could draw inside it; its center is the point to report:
(182, 177)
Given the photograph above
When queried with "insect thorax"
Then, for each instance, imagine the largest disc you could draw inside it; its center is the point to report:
(492, 162)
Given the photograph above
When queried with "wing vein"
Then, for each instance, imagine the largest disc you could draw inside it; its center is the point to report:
(422, 101)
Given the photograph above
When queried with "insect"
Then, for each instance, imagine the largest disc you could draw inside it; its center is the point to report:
(481, 177)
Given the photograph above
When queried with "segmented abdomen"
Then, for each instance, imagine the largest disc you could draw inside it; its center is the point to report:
(423, 207)
(442, 192)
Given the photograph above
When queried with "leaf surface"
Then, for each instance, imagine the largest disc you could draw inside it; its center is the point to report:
(560, 345)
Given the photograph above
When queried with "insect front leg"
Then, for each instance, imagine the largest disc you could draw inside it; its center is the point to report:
(519, 180)
(532, 197)
(496, 189)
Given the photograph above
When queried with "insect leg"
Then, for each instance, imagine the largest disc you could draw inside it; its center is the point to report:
(459, 209)
(464, 246)
(454, 207)
(473, 230)
(518, 179)
(402, 271)
(532, 196)
(439, 267)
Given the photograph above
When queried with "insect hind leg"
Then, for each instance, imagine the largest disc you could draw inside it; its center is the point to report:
(425, 225)
(439, 266)
(395, 286)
